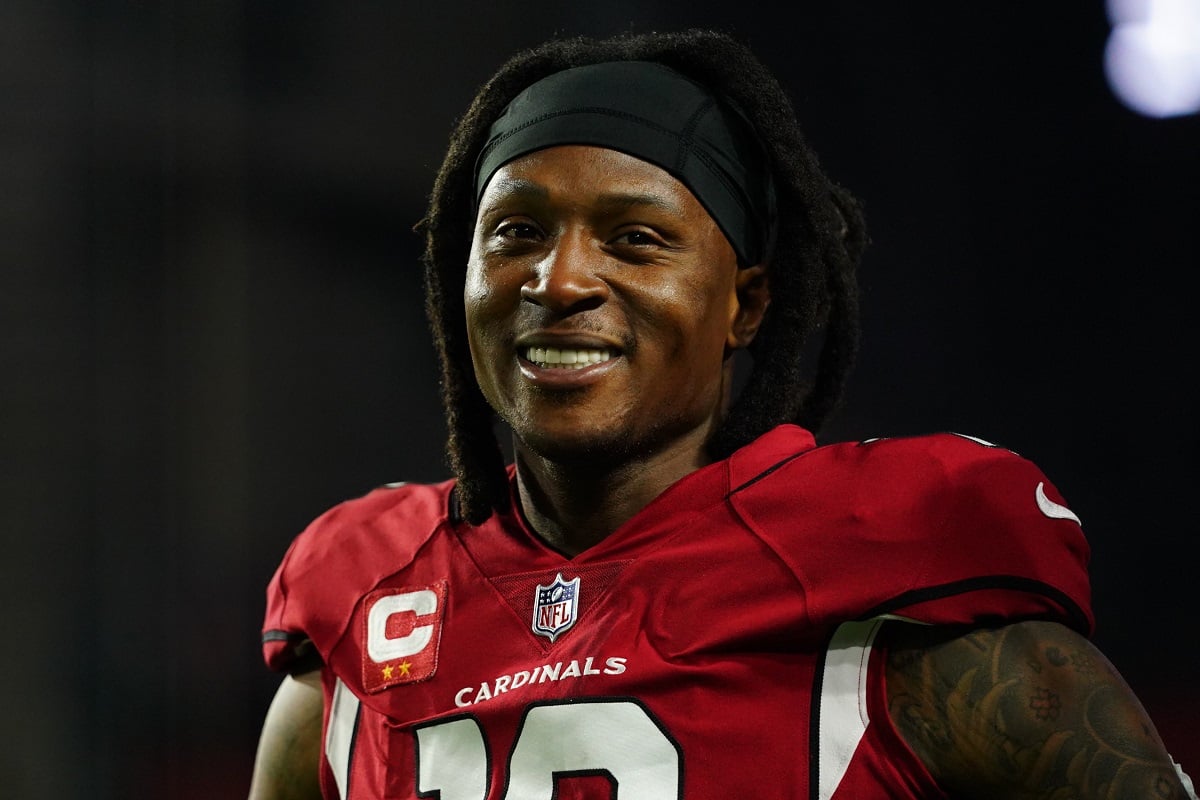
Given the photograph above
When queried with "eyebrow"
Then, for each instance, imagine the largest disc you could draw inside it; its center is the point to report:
(609, 202)
(507, 187)
(620, 201)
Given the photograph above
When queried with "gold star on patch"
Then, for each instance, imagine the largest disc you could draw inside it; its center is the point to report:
(404, 667)
(387, 673)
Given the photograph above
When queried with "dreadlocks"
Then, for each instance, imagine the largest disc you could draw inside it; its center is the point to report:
(812, 269)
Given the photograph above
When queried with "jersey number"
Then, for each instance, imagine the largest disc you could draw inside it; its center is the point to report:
(616, 738)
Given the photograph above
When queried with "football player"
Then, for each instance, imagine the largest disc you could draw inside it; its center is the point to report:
(672, 591)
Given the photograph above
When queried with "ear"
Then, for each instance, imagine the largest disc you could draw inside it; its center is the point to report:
(752, 295)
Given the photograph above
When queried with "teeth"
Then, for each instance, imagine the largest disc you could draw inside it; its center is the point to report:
(555, 357)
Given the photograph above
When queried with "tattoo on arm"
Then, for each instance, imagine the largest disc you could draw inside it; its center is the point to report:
(1031, 710)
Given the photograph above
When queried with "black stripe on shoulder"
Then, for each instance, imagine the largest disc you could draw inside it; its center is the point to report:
(767, 472)
(1078, 619)
(304, 653)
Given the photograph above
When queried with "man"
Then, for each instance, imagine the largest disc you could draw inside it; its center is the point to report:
(673, 592)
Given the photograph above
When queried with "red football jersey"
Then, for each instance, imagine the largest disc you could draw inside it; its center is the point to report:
(717, 645)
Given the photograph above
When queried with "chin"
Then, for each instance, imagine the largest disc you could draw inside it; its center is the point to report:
(592, 449)
(603, 448)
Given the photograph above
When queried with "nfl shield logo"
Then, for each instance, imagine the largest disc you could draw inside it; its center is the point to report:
(556, 607)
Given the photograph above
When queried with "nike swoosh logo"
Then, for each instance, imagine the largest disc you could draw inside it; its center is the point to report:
(1052, 509)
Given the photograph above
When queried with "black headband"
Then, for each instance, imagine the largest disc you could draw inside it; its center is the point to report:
(654, 113)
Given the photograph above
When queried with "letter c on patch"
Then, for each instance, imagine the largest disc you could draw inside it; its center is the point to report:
(379, 647)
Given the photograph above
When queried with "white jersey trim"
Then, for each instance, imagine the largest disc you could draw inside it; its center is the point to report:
(844, 718)
(339, 737)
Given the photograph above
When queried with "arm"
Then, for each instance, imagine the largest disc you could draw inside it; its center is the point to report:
(1030, 710)
(287, 765)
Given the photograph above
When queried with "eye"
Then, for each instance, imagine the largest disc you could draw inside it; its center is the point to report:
(518, 231)
(639, 237)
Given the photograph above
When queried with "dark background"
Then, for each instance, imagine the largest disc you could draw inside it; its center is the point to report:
(211, 325)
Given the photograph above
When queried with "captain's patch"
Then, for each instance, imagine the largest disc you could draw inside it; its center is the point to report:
(403, 628)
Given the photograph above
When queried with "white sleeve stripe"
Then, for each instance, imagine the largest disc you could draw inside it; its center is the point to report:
(843, 709)
(339, 738)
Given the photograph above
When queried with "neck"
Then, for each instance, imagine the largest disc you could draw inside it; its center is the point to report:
(575, 505)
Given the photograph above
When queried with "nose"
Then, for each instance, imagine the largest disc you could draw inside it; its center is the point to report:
(567, 280)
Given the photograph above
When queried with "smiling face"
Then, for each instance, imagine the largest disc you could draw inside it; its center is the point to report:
(601, 303)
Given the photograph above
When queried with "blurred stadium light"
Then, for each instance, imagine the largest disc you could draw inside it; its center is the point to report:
(1152, 58)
